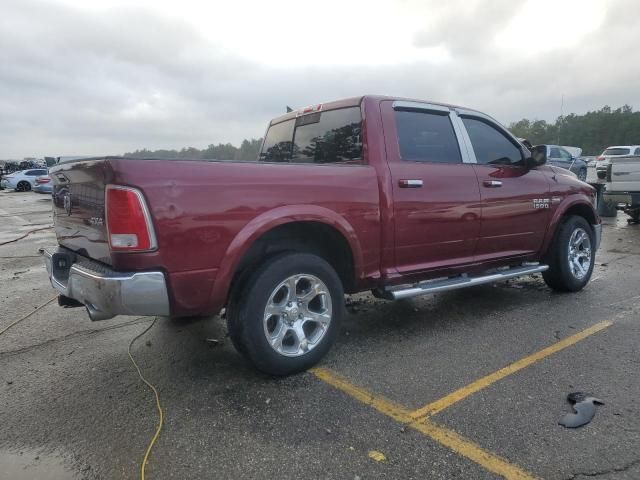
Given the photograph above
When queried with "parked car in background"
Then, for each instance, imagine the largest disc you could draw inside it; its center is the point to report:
(43, 184)
(567, 157)
(623, 184)
(22, 181)
(612, 152)
(419, 198)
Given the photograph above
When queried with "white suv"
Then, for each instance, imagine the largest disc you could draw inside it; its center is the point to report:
(616, 151)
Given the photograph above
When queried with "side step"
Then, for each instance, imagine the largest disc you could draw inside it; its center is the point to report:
(462, 281)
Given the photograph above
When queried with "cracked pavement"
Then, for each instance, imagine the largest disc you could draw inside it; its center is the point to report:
(73, 406)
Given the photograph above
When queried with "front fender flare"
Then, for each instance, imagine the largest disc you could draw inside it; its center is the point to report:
(561, 211)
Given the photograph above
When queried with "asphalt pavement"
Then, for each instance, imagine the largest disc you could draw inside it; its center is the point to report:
(420, 385)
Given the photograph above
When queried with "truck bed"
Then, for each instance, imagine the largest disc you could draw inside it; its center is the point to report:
(199, 209)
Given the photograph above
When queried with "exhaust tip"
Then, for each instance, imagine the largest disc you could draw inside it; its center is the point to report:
(97, 315)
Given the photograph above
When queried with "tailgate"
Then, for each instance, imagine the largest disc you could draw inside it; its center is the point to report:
(625, 174)
(78, 207)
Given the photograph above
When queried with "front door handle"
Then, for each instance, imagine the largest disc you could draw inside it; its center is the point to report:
(410, 183)
(492, 183)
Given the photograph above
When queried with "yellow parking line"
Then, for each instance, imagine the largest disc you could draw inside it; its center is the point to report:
(444, 436)
(484, 382)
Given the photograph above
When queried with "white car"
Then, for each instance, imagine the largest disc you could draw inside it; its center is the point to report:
(22, 181)
(615, 151)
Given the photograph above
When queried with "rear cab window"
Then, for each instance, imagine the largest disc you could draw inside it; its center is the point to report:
(325, 137)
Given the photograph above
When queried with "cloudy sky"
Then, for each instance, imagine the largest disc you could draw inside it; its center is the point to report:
(109, 76)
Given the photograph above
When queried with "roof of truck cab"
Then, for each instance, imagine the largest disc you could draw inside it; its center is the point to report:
(356, 101)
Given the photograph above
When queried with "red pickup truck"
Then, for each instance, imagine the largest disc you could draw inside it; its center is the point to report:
(401, 197)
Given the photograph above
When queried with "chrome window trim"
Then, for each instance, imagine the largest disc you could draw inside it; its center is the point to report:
(466, 149)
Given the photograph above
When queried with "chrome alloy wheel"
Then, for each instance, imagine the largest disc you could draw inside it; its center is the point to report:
(579, 254)
(297, 315)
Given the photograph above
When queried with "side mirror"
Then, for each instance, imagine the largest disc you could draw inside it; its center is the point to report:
(538, 156)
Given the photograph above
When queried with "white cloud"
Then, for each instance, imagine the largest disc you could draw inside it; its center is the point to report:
(108, 76)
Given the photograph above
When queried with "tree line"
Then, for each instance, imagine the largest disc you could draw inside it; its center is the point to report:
(248, 150)
(593, 131)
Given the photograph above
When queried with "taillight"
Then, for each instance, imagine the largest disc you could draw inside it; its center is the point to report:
(129, 225)
(600, 158)
(41, 180)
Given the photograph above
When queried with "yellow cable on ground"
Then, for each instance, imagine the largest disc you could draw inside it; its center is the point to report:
(27, 315)
(155, 392)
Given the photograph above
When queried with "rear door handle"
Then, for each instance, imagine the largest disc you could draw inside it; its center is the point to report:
(492, 183)
(410, 183)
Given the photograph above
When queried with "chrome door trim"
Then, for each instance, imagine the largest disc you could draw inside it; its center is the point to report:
(468, 154)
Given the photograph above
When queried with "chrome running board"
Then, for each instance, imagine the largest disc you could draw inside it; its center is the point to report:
(462, 281)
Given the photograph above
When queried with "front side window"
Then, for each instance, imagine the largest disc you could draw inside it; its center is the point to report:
(490, 145)
(564, 154)
(426, 137)
(333, 136)
(637, 152)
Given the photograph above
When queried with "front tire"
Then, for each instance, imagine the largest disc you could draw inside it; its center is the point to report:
(582, 174)
(287, 315)
(572, 256)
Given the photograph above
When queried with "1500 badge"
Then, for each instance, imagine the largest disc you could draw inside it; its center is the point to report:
(541, 202)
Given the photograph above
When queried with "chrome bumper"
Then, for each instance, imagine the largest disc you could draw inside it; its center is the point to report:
(597, 230)
(105, 292)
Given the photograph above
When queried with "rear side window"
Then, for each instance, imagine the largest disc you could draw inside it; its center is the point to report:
(277, 143)
(617, 151)
(490, 145)
(332, 136)
(426, 137)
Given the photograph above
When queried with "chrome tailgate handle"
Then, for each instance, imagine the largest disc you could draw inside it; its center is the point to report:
(410, 183)
(492, 183)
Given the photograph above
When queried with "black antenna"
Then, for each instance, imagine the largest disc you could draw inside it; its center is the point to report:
(289, 109)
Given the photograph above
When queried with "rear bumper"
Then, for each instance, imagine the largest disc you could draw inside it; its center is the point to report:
(628, 198)
(46, 188)
(105, 292)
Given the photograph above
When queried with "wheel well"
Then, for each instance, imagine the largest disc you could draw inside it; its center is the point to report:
(310, 237)
(580, 210)
(583, 211)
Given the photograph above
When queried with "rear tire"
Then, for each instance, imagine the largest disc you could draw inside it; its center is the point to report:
(287, 315)
(571, 256)
(23, 186)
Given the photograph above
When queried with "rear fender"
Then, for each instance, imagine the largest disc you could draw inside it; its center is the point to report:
(265, 222)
